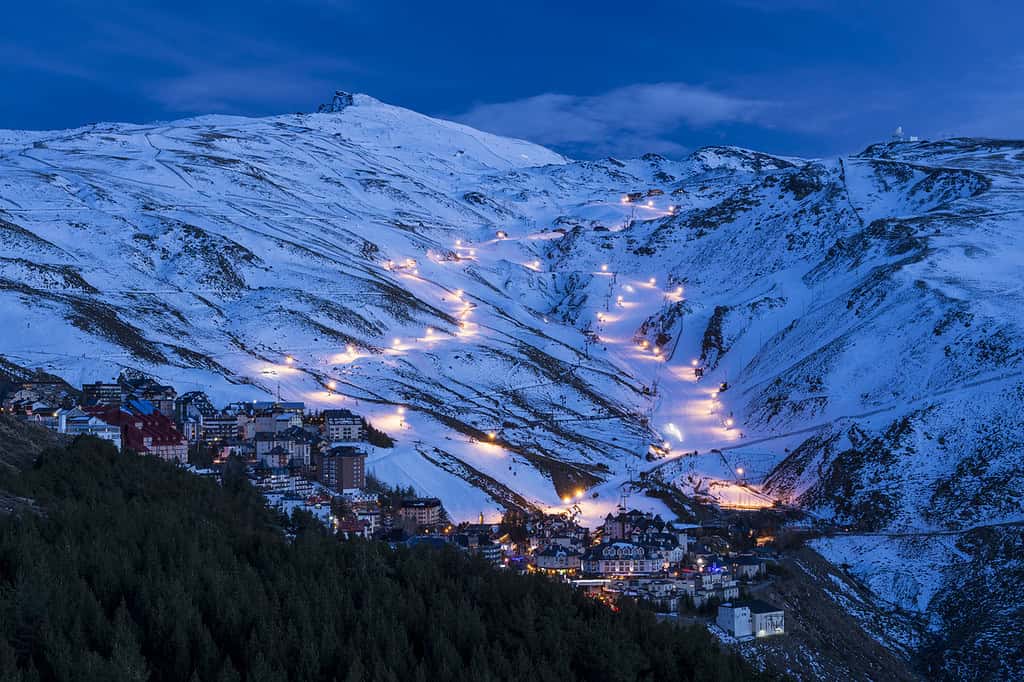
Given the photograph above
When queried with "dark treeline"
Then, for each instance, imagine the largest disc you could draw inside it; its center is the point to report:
(134, 570)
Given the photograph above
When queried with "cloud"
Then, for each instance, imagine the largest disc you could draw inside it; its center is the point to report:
(186, 66)
(624, 121)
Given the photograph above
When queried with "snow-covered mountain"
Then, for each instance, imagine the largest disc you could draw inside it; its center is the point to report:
(527, 331)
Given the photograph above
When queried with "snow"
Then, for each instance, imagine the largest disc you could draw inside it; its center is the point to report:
(249, 257)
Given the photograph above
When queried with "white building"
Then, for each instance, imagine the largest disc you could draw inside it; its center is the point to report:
(77, 422)
(342, 426)
(750, 618)
(619, 558)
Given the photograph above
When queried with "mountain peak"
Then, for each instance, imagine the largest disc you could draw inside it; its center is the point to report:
(341, 100)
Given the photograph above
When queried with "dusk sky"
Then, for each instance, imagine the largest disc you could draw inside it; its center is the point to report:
(803, 77)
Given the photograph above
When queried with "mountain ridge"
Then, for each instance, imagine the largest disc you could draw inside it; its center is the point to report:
(486, 285)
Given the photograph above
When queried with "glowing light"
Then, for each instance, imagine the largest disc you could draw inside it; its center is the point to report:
(350, 349)
(430, 331)
(458, 242)
(492, 435)
(650, 203)
(536, 265)
(458, 293)
(396, 342)
(694, 362)
(579, 492)
(644, 344)
(652, 281)
(728, 422)
(332, 385)
(739, 470)
(625, 200)
(472, 252)
(289, 359)
(566, 499)
(401, 410)
(604, 268)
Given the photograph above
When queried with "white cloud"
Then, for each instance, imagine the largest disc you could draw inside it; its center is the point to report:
(625, 121)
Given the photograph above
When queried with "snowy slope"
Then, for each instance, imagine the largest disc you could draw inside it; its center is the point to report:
(527, 335)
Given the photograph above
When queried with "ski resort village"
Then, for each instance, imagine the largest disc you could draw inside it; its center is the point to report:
(778, 398)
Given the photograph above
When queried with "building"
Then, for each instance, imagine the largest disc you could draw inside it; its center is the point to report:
(425, 511)
(352, 528)
(195, 404)
(343, 468)
(150, 434)
(76, 422)
(282, 480)
(619, 558)
(750, 618)
(343, 426)
(100, 393)
(747, 567)
(295, 441)
(478, 545)
(371, 517)
(220, 427)
(557, 559)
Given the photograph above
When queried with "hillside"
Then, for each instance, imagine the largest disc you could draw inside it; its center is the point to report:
(862, 313)
(137, 570)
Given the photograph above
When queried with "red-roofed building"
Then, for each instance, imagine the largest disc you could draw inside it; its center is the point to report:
(148, 434)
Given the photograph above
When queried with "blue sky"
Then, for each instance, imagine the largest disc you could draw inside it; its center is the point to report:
(806, 77)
